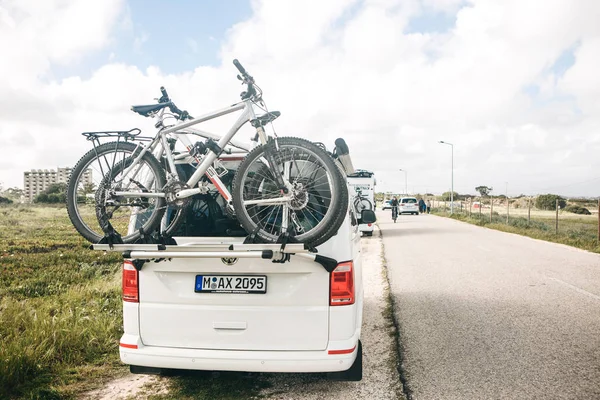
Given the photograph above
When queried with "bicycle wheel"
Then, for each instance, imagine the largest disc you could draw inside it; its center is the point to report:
(319, 195)
(92, 208)
(361, 204)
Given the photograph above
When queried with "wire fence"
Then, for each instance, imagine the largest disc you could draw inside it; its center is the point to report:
(521, 216)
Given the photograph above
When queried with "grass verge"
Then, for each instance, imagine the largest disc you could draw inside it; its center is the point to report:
(576, 232)
(60, 307)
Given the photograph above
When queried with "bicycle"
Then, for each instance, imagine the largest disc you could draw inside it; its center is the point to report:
(284, 186)
(361, 203)
(394, 213)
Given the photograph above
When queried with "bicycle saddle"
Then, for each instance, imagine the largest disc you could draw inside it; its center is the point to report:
(149, 109)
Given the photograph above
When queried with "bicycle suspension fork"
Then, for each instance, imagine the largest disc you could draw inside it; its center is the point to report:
(271, 148)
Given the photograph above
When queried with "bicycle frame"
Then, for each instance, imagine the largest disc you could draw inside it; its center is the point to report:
(206, 162)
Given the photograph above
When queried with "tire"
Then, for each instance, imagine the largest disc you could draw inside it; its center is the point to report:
(354, 373)
(95, 172)
(320, 209)
(361, 204)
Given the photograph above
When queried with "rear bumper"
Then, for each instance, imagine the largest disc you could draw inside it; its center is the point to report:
(408, 210)
(366, 227)
(242, 361)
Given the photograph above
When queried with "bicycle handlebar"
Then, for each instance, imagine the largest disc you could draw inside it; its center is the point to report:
(239, 67)
(165, 96)
(183, 115)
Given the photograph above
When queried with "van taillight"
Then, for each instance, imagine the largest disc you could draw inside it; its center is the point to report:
(342, 285)
(130, 283)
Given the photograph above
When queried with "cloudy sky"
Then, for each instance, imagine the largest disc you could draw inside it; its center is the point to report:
(513, 84)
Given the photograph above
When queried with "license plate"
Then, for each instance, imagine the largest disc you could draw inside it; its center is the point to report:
(237, 284)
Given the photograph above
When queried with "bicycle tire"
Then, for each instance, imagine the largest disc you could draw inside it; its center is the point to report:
(327, 213)
(361, 204)
(94, 229)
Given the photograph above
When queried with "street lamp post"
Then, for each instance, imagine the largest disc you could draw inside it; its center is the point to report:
(405, 181)
(452, 177)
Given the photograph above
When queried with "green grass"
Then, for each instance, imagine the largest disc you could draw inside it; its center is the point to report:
(61, 316)
(60, 307)
(573, 230)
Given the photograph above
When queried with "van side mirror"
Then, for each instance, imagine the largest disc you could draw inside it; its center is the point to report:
(367, 217)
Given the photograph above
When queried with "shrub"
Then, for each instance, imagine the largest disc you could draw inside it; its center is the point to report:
(5, 200)
(575, 209)
(55, 193)
(446, 196)
(548, 202)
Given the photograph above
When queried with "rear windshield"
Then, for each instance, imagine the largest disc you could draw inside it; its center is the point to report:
(409, 201)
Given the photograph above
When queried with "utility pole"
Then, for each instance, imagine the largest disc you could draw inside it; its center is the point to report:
(507, 203)
(405, 181)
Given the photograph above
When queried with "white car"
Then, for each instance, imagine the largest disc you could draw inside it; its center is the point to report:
(408, 205)
(387, 205)
(216, 303)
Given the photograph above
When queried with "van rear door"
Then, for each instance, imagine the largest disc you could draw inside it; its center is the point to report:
(234, 304)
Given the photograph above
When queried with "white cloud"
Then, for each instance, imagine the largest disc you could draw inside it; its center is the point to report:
(337, 69)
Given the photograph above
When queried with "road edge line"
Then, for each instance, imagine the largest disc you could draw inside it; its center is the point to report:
(390, 316)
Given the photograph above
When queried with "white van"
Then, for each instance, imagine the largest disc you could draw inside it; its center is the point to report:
(362, 189)
(213, 301)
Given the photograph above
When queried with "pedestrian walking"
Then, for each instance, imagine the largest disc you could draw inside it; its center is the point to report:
(422, 206)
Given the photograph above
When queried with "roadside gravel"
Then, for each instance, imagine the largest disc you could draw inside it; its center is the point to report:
(380, 375)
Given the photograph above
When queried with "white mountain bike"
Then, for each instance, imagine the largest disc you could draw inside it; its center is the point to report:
(284, 186)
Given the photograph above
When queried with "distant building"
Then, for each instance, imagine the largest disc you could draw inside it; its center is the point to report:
(37, 180)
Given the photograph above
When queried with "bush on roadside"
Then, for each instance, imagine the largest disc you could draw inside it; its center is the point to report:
(54, 194)
(548, 202)
(575, 209)
(446, 196)
(5, 200)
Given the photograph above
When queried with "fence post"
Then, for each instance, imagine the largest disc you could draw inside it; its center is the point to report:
(599, 219)
(507, 209)
(528, 211)
(471, 203)
(480, 204)
(557, 216)
(491, 207)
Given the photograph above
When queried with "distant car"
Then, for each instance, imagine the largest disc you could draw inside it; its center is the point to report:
(387, 205)
(408, 205)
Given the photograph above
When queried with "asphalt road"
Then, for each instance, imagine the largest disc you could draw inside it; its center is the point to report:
(489, 315)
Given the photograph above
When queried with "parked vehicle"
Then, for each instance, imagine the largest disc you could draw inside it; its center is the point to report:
(217, 299)
(408, 205)
(387, 205)
(362, 189)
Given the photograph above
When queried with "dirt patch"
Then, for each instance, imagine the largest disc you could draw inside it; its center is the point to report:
(129, 387)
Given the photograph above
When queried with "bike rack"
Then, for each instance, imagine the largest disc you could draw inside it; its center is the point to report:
(158, 252)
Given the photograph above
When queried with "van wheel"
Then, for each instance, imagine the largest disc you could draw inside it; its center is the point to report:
(354, 374)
